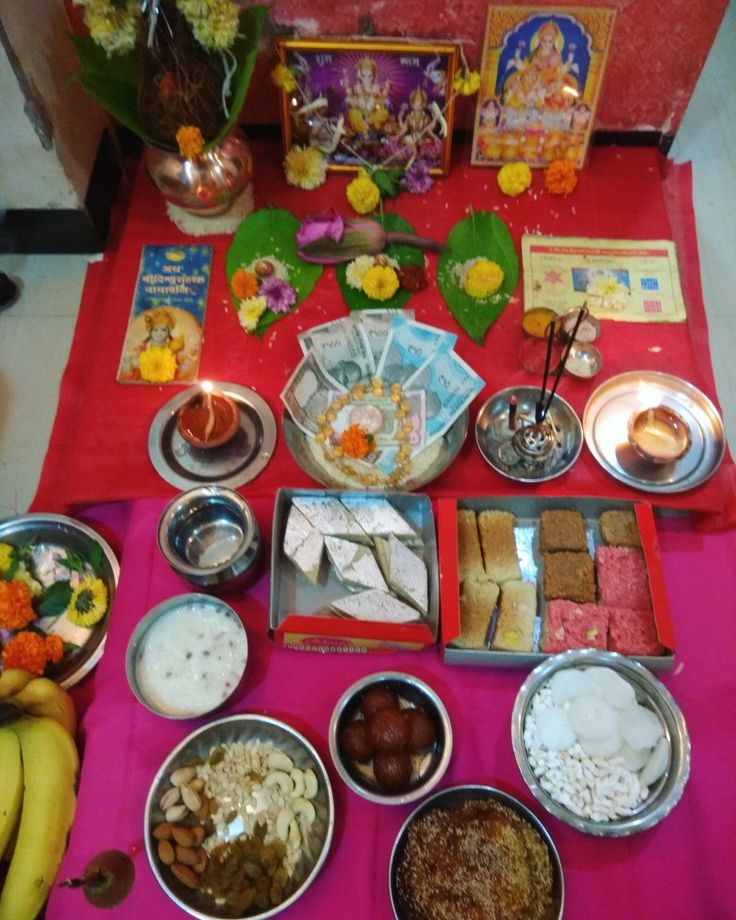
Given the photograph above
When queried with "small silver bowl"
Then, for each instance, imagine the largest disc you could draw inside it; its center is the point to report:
(172, 648)
(428, 767)
(652, 694)
(583, 361)
(211, 538)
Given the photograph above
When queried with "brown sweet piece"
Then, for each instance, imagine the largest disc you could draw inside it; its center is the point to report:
(392, 771)
(355, 741)
(562, 531)
(389, 731)
(569, 576)
(422, 733)
(378, 697)
(619, 528)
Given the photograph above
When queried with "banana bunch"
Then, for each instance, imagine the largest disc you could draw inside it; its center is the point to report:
(38, 773)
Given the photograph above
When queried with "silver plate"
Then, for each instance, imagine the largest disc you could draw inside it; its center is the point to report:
(451, 442)
(607, 415)
(493, 435)
(233, 464)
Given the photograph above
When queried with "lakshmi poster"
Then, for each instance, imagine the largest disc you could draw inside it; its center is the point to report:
(541, 78)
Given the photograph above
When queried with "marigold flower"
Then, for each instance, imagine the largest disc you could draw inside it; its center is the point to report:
(380, 282)
(363, 193)
(356, 271)
(283, 78)
(16, 610)
(482, 279)
(190, 141)
(250, 312)
(26, 650)
(356, 442)
(88, 603)
(305, 167)
(54, 648)
(560, 177)
(157, 364)
(6, 557)
(244, 284)
(214, 23)
(466, 82)
(514, 178)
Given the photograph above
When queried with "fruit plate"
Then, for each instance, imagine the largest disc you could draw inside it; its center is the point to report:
(46, 539)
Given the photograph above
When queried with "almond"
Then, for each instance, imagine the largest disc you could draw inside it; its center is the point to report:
(166, 852)
(185, 855)
(198, 835)
(163, 831)
(183, 836)
(202, 859)
(185, 875)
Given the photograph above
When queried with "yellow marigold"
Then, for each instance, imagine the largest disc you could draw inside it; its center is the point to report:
(214, 23)
(112, 26)
(380, 282)
(283, 78)
(251, 311)
(244, 284)
(16, 610)
(363, 193)
(560, 177)
(190, 141)
(466, 82)
(514, 178)
(482, 279)
(88, 603)
(157, 364)
(26, 650)
(305, 167)
(22, 574)
(356, 442)
(6, 557)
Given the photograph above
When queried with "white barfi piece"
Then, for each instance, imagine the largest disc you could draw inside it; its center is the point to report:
(377, 606)
(404, 571)
(379, 518)
(330, 517)
(303, 544)
(355, 564)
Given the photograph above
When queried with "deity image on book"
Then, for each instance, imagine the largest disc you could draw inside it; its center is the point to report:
(540, 83)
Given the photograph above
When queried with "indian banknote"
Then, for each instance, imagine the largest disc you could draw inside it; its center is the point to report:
(377, 325)
(410, 345)
(343, 350)
(307, 393)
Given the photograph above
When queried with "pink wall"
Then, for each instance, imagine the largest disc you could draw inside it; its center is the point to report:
(658, 50)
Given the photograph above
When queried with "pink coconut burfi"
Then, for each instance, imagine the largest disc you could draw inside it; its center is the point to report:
(622, 578)
(571, 625)
(633, 632)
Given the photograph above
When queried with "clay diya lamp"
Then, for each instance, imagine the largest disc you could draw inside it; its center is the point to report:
(209, 419)
(659, 434)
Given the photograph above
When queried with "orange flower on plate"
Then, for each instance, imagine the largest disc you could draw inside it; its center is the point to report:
(560, 177)
(356, 442)
(244, 284)
(16, 610)
(26, 650)
(54, 648)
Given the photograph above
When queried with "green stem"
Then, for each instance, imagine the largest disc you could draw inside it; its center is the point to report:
(412, 239)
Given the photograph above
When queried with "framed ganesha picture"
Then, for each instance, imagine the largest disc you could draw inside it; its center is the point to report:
(541, 79)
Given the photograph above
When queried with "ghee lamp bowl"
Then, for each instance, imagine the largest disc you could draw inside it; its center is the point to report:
(209, 419)
(659, 434)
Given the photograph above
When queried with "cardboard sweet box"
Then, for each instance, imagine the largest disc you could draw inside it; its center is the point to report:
(301, 612)
(526, 527)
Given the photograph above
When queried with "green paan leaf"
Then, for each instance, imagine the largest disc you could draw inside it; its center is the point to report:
(271, 234)
(55, 599)
(94, 557)
(388, 181)
(73, 561)
(404, 253)
(482, 235)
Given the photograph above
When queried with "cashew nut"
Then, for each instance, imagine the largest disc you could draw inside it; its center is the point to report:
(280, 779)
(277, 760)
(310, 784)
(303, 807)
(283, 821)
(298, 778)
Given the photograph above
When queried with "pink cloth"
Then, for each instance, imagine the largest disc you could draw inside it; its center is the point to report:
(679, 869)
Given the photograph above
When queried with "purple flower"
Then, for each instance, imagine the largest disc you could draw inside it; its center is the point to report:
(327, 225)
(417, 178)
(280, 295)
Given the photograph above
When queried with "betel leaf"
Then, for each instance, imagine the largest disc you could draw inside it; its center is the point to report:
(94, 557)
(73, 561)
(270, 234)
(404, 253)
(388, 181)
(481, 235)
(55, 599)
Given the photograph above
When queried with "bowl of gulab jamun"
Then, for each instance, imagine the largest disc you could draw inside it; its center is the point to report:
(390, 738)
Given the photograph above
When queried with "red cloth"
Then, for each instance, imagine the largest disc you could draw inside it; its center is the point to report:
(679, 869)
(98, 448)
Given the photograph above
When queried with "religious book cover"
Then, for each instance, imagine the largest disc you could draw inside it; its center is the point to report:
(541, 79)
(163, 342)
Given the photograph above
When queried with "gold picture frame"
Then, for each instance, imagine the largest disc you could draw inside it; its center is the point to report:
(374, 103)
(541, 79)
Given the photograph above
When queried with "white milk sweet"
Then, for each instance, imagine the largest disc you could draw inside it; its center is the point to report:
(191, 660)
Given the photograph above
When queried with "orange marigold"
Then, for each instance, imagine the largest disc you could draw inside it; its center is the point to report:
(560, 177)
(356, 442)
(16, 610)
(26, 650)
(54, 648)
(190, 141)
(244, 284)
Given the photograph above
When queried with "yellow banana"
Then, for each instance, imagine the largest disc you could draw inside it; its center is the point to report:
(13, 680)
(50, 765)
(11, 786)
(43, 697)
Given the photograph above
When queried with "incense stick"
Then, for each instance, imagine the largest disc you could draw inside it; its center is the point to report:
(540, 412)
(563, 362)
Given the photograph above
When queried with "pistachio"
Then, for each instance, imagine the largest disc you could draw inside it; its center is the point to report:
(185, 875)
(182, 775)
(175, 813)
(190, 798)
(165, 852)
(169, 798)
(183, 836)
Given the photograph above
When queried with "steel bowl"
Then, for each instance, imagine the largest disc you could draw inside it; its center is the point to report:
(428, 766)
(65, 533)
(455, 797)
(209, 536)
(197, 748)
(651, 693)
(137, 647)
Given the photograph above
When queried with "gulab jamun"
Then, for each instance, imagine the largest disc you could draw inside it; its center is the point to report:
(392, 771)
(355, 741)
(388, 731)
(378, 697)
(422, 732)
